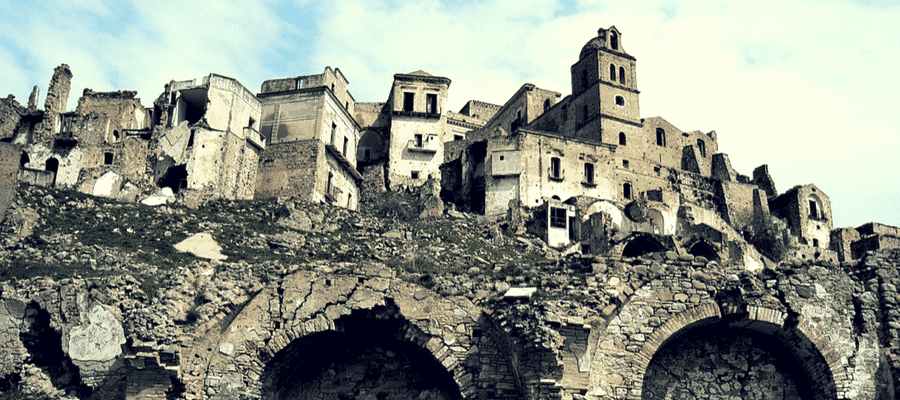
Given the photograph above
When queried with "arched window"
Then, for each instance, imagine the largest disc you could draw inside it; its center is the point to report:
(612, 72)
(24, 159)
(622, 75)
(815, 207)
(660, 137)
(52, 165)
(115, 136)
(702, 146)
(546, 104)
(626, 191)
(620, 101)
(622, 140)
(613, 40)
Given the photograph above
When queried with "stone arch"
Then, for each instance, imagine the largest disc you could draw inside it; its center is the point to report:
(307, 303)
(813, 353)
(640, 244)
(657, 221)
(704, 249)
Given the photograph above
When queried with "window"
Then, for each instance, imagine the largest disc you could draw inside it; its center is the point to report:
(458, 137)
(660, 137)
(333, 132)
(815, 242)
(702, 146)
(367, 155)
(251, 123)
(584, 79)
(408, 101)
(622, 75)
(555, 170)
(107, 158)
(414, 174)
(612, 72)
(626, 191)
(613, 40)
(346, 142)
(329, 190)
(622, 140)
(625, 163)
(546, 104)
(431, 103)
(620, 101)
(589, 172)
(115, 136)
(557, 217)
(332, 88)
(813, 209)
(418, 140)
(584, 113)
(191, 138)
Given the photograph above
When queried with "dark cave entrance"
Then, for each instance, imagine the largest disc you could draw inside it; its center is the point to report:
(365, 357)
(44, 345)
(642, 245)
(175, 178)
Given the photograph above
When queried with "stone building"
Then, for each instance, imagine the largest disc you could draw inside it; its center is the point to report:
(312, 139)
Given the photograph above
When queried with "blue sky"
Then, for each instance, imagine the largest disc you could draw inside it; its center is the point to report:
(807, 87)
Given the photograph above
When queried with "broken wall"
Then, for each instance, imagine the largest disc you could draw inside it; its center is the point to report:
(9, 169)
(10, 114)
(289, 169)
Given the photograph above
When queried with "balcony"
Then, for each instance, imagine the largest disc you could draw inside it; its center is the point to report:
(254, 137)
(422, 146)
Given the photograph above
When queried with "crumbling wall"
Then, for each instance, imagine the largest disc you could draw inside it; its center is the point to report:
(289, 169)
(10, 114)
(9, 170)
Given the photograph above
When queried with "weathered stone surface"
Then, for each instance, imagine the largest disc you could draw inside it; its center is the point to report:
(108, 185)
(99, 337)
(201, 245)
(163, 196)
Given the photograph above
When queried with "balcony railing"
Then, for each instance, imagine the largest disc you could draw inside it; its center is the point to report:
(422, 146)
(254, 137)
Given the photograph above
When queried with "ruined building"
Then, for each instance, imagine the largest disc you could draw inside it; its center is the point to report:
(584, 170)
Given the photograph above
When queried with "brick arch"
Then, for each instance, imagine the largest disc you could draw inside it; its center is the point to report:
(824, 371)
(306, 302)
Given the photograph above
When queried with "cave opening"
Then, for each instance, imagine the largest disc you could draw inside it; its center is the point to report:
(642, 245)
(365, 357)
(175, 178)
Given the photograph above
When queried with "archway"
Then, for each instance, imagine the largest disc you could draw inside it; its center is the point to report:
(703, 249)
(365, 356)
(642, 244)
(718, 360)
(52, 165)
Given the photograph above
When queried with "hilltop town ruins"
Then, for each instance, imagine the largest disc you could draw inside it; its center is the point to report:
(585, 173)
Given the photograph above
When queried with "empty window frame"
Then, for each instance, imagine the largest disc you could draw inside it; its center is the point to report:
(622, 139)
(584, 113)
(660, 137)
(408, 99)
(546, 104)
(431, 103)
(813, 209)
(557, 217)
(620, 101)
(107, 158)
(333, 132)
(612, 72)
(584, 79)
(458, 137)
(417, 140)
(626, 191)
(346, 143)
(624, 163)
(589, 172)
(555, 168)
(414, 174)
(329, 188)
(702, 147)
(622, 75)
(613, 40)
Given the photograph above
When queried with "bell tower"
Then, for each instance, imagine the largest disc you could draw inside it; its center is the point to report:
(604, 86)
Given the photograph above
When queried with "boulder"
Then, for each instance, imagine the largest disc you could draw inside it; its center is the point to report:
(128, 194)
(201, 245)
(108, 185)
(162, 196)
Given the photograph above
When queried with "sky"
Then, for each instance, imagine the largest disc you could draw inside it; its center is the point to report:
(807, 87)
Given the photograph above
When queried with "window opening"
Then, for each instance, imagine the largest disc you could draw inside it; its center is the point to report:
(660, 137)
(408, 101)
(346, 142)
(620, 101)
(52, 165)
(612, 72)
(584, 79)
(557, 217)
(613, 40)
(546, 104)
(813, 209)
(589, 172)
(366, 155)
(107, 158)
(457, 137)
(554, 167)
(329, 190)
(431, 100)
(24, 159)
(626, 191)
(584, 113)
(333, 132)
(622, 140)
(191, 138)
(115, 136)
(815, 242)
(572, 229)
(418, 140)
(414, 174)
(622, 75)
(625, 163)
(702, 146)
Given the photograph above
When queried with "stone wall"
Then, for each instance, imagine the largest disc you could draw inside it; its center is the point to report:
(9, 170)
(289, 169)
